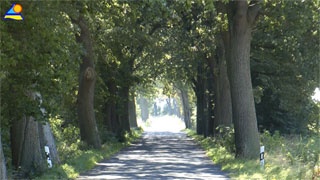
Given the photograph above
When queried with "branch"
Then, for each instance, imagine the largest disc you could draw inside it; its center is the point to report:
(194, 84)
(74, 21)
(154, 28)
(253, 11)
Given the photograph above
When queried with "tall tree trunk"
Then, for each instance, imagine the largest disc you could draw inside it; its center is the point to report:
(46, 136)
(47, 139)
(207, 120)
(223, 105)
(200, 110)
(115, 120)
(186, 107)
(132, 112)
(176, 108)
(170, 109)
(107, 122)
(28, 138)
(144, 108)
(110, 121)
(26, 147)
(241, 19)
(124, 110)
(17, 132)
(155, 109)
(200, 95)
(3, 170)
(210, 104)
(87, 79)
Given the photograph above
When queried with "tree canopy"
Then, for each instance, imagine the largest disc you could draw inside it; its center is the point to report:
(251, 65)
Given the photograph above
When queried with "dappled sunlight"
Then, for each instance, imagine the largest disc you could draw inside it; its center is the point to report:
(164, 124)
(159, 155)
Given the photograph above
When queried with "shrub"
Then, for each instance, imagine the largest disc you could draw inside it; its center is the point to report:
(286, 157)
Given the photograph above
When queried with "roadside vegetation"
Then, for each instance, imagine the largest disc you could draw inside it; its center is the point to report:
(77, 157)
(286, 156)
(76, 74)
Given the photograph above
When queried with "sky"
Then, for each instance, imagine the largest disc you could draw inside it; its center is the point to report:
(316, 95)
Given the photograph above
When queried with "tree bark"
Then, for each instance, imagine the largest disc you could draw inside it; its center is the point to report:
(123, 111)
(115, 122)
(28, 138)
(186, 107)
(200, 95)
(144, 109)
(170, 109)
(223, 105)
(210, 105)
(26, 147)
(111, 121)
(3, 170)
(87, 79)
(107, 122)
(176, 108)
(244, 116)
(201, 106)
(46, 136)
(155, 109)
(132, 112)
(47, 139)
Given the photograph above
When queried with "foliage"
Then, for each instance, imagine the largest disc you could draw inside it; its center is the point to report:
(285, 65)
(141, 43)
(286, 157)
(38, 56)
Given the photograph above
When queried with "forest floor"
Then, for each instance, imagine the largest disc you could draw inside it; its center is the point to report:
(158, 155)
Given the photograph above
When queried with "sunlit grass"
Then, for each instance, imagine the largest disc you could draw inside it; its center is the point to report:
(87, 159)
(280, 163)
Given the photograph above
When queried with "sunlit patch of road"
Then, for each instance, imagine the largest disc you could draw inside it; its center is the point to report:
(163, 152)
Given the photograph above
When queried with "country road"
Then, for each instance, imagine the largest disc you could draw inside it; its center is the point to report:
(158, 155)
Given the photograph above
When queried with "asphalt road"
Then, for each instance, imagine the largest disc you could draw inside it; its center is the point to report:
(158, 155)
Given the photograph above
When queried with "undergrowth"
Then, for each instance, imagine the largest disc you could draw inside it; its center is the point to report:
(76, 157)
(286, 157)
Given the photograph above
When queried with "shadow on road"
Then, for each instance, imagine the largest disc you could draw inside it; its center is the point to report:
(158, 155)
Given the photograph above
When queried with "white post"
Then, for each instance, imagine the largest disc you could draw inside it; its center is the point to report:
(262, 157)
(46, 149)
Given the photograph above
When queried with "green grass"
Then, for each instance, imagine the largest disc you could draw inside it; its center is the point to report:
(83, 160)
(288, 158)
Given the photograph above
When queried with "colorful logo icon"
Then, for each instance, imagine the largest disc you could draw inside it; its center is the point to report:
(14, 13)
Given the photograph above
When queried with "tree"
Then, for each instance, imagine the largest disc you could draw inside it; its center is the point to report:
(132, 112)
(127, 34)
(87, 79)
(184, 97)
(285, 70)
(199, 89)
(3, 170)
(29, 136)
(27, 78)
(144, 108)
(241, 18)
(222, 96)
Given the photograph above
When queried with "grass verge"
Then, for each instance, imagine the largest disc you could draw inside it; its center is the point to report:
(285, 157)
(86, 159)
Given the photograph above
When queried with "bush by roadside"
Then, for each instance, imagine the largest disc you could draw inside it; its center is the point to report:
(286, 157)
